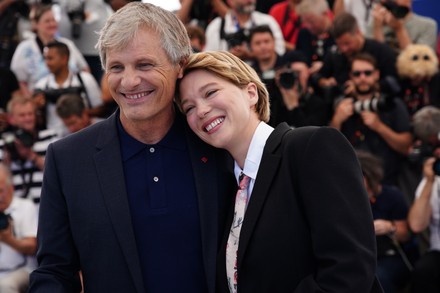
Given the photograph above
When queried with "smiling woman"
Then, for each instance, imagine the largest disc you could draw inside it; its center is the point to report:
(297, 178)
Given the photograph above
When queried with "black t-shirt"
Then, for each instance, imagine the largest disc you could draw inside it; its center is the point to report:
(312, 48)
(338, 65)
(363, 138)
(8, 84)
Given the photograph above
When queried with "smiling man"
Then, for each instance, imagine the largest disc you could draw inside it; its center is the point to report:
(133, 202)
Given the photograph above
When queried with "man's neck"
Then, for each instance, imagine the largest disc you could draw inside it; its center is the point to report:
(62, 76)
(242, 19)
(267, 64)
(365, 97)
(150, 131)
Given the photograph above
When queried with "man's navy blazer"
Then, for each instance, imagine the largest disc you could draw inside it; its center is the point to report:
(85, 221)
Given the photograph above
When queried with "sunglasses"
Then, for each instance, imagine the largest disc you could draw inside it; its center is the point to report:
(357, 73)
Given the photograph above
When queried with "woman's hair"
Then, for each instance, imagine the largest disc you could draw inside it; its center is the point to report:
(372, 170)
(232, 69)
(123, 26)
(38, 11)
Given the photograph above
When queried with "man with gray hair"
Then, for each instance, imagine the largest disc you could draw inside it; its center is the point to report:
(425, 210)
(133, 202)
(315, 39)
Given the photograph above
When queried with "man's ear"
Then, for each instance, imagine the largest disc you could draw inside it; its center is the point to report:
(181, 65)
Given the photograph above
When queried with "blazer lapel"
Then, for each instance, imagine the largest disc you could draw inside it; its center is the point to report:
(266, 172)
(203, 160)
(108, 164)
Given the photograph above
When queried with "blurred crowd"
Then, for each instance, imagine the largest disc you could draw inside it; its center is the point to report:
(368, 68)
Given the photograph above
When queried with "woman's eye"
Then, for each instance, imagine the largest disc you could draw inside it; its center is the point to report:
(187, 110)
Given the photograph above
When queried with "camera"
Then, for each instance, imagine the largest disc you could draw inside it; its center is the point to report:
(4, 221)
(376, 104)
(420, 153)
(236, 39)
(52, 95)
(77, 16)
(24, 136)
(288, 78)
(398, 11)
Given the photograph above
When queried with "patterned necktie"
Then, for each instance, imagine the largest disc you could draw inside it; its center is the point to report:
(241, 200)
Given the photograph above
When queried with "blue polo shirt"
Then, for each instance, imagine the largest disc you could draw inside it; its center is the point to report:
(164, 211)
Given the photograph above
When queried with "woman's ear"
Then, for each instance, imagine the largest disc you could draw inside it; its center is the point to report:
(252, 92)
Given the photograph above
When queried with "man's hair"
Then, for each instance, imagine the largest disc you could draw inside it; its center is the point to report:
(316, 7)
(344, 23)
(232, 69)
(123, 26)
(61, 48)
(259, 29)
(372, 169)
(18, 100)
(367, 57)
(70, 105)
(196, 32)
(426, 123)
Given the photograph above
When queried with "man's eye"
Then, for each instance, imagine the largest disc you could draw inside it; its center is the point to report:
(145, 65)
(210, 93)
(116, 68)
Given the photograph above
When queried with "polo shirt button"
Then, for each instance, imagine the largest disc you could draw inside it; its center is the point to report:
(155, 179)
(152, 150)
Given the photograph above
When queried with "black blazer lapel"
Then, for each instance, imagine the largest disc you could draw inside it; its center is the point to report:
(205, 165)
(266, 173)
(111, 177)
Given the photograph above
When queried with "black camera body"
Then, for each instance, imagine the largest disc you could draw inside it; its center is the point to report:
(77, 17)
(398, 11)
(25, 137)
(52, 95)
(236, 39)
(288, 78)
(4, 221)
(420, 153)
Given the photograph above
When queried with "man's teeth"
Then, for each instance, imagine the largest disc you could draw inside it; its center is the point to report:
(136, 96)
(214, 123)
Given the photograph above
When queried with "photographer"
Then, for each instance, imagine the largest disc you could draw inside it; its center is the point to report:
(372, 119)
(395, 24)
(79, 20)
(286, 79)
(230, 32)
(23, 149)
(60, 81)
(18, 242)
(425, 210)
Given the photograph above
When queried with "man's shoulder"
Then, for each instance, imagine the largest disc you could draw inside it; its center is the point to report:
(263, 18)
(376, 48)
(87, 137)
(278, 9)
(215, 23)
(417, 19)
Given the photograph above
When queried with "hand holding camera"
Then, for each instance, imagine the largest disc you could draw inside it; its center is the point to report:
(18, 144)
(6, 234)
